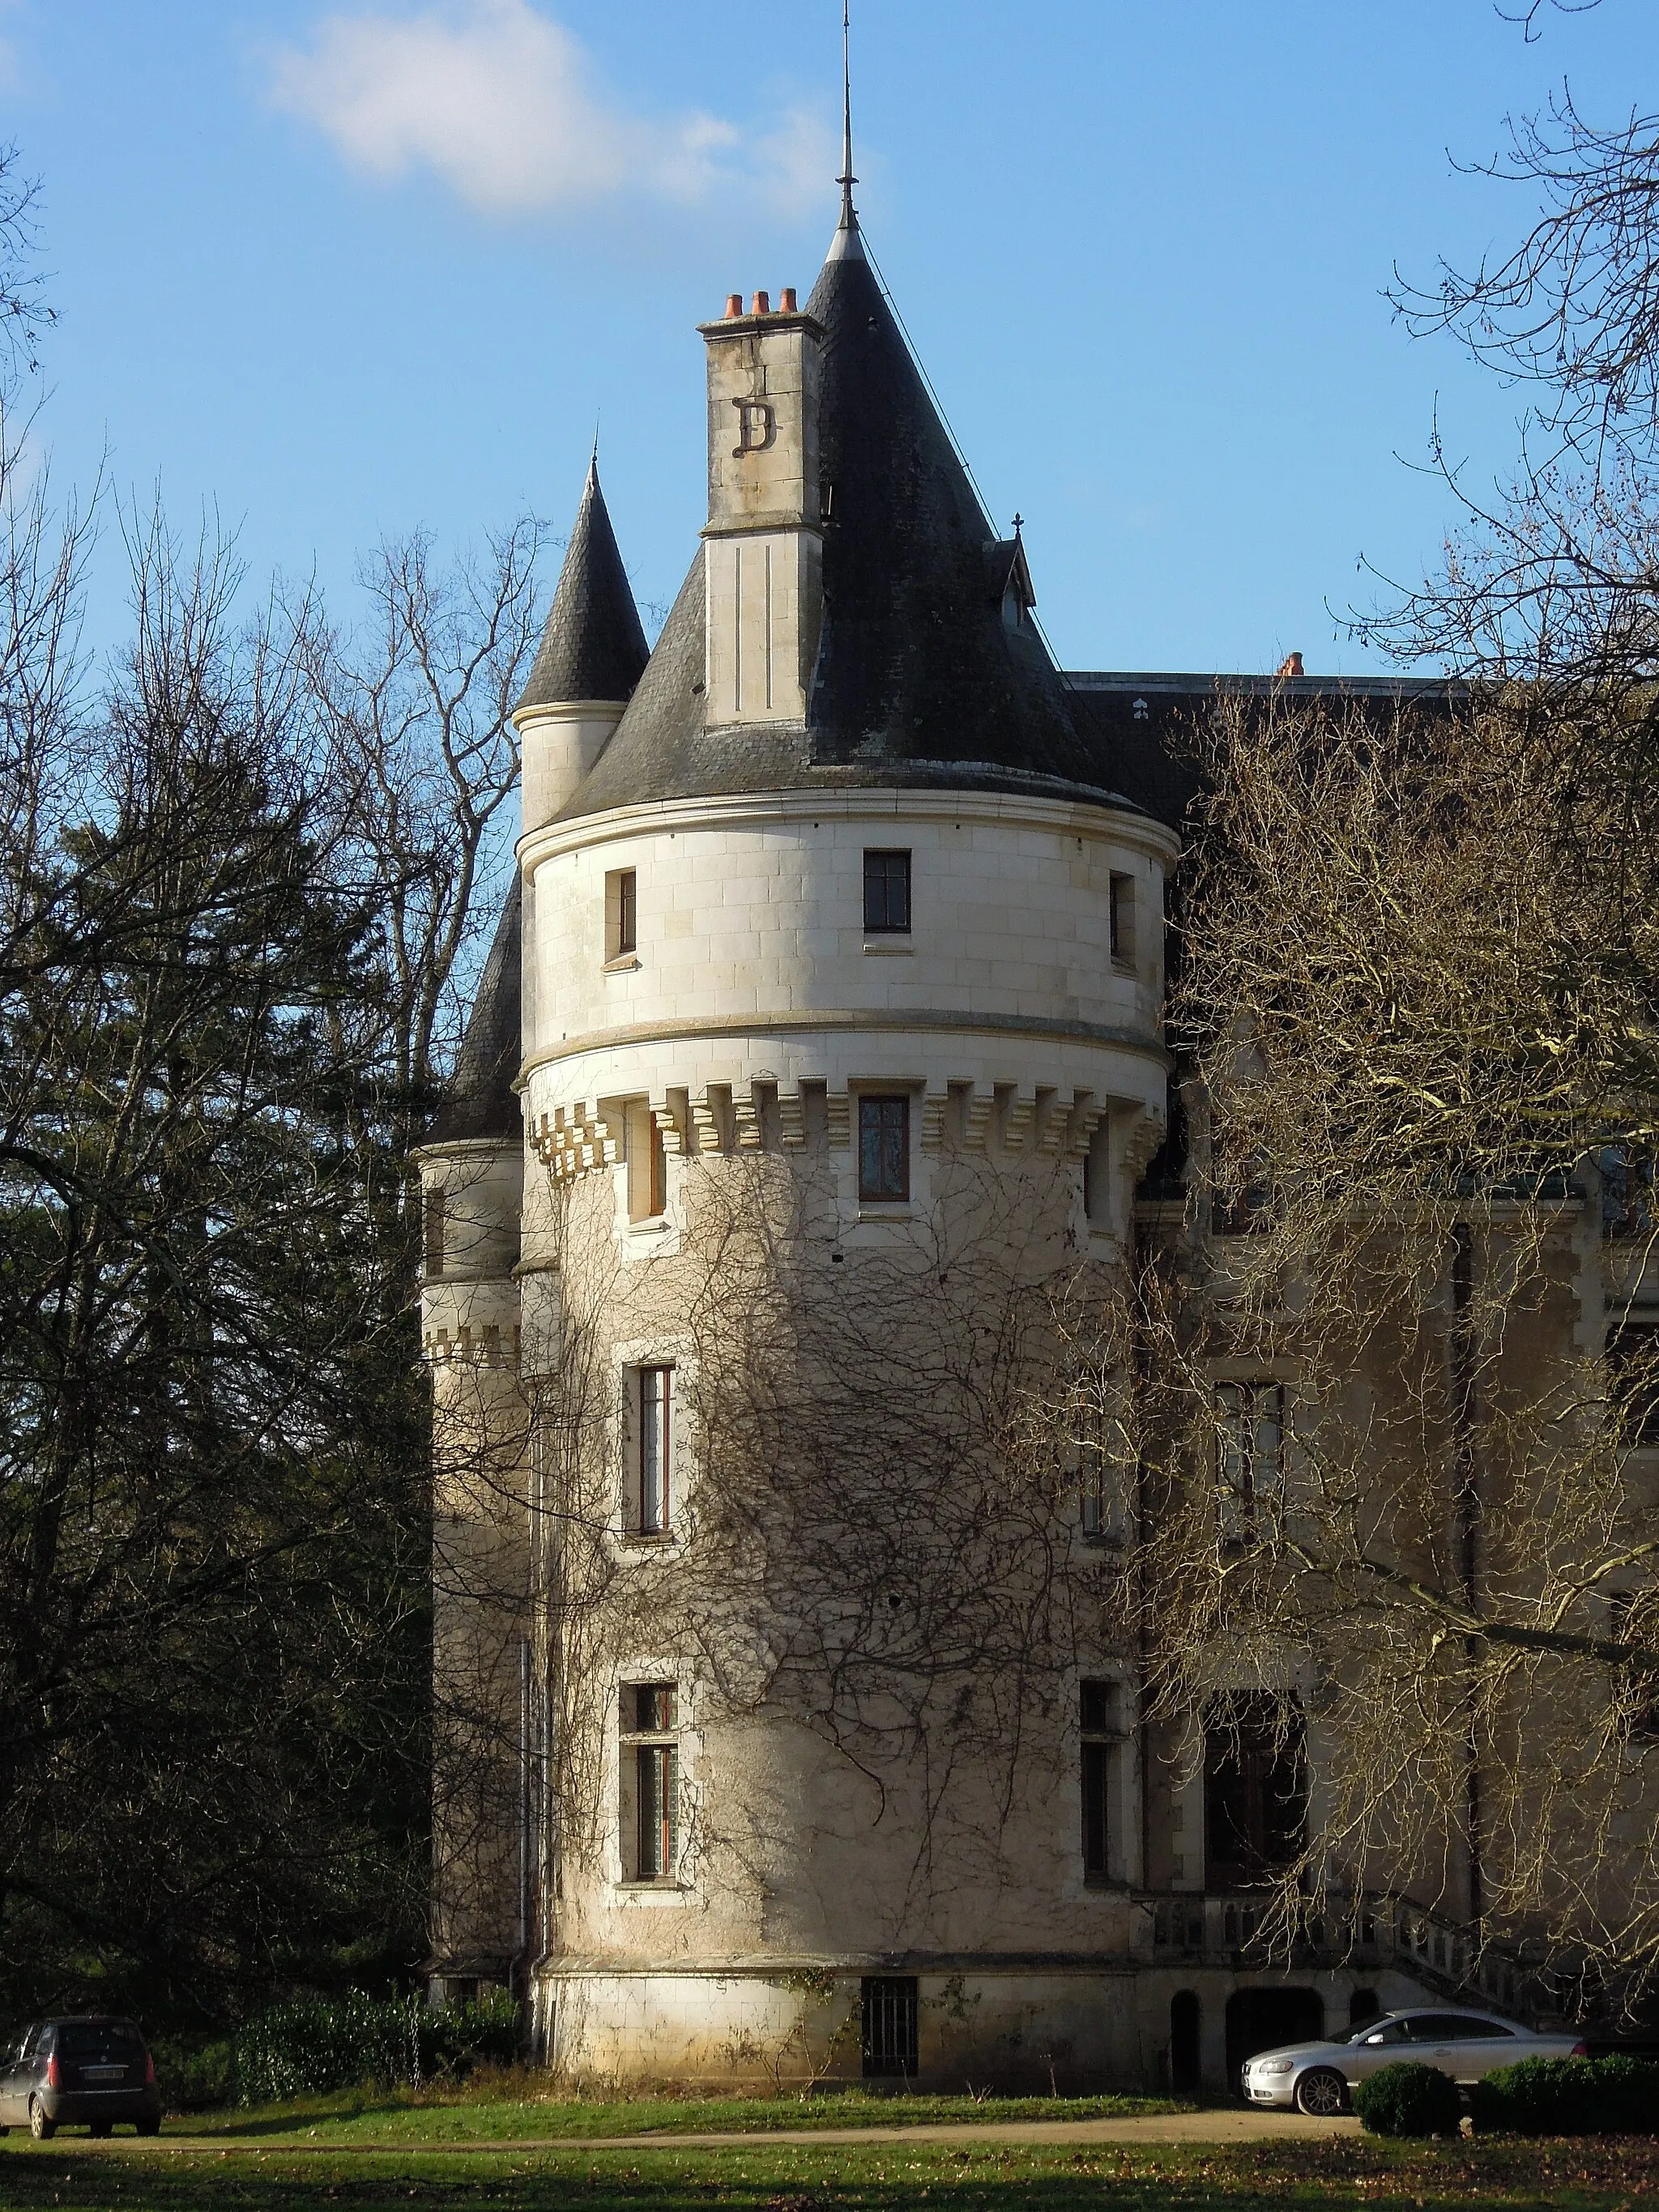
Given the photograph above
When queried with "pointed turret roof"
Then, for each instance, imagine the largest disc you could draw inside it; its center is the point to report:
(918, 659)
(479, 1102)
(921, 677)
(593, 646)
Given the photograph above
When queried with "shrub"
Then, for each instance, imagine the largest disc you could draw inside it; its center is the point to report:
(316, 2043)
(1409, 2100)
(1569, 2097)
(195, 2078)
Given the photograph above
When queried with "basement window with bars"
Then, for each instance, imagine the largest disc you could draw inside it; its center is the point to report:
(888, 2009)
(651, 1778)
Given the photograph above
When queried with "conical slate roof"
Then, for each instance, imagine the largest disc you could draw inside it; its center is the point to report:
(593, 646)
(922, 677)
(479, 1102)
(916, 661)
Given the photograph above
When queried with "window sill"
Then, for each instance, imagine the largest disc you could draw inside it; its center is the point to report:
(652, 1226)
(882, 948)
(1102, 1540)
(877, 1209)
(648, 1539)
(622, 964)
(1125, 966)
(663, 1886)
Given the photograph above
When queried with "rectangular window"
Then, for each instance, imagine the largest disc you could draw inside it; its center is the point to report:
(1256, 1791)
(1123, 896)
(1096, 1702)
(646, 1157)
(884, 1149)
(434, 1225)
(889, 2010)
(1633, 1365)
(1627, 1190)
(1100, 1490)
(650, 1716)
(886, 893)
(1250, 1451)
(621, 913)
(655, 1449)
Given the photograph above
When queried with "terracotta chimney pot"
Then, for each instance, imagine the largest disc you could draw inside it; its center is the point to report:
(786, 304)
(762, 304)
(733, 304)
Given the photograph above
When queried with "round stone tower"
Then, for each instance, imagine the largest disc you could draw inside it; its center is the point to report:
(841, 1057)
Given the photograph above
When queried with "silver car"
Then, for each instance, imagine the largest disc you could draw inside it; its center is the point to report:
(1316, 2077)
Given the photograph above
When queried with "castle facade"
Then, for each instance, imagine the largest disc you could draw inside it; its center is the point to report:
(807, 1105)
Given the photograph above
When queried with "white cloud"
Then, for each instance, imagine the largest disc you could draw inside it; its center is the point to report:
(499, 101)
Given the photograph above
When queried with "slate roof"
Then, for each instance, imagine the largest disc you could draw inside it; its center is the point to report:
(479, 1101)
(593, 646)
(919, 680)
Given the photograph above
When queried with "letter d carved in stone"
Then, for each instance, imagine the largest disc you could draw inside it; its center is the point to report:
(758, 427)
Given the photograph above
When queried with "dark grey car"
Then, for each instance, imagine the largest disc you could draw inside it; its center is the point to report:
(92, 2071)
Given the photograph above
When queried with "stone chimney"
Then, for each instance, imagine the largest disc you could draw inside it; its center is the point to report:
(764, 542)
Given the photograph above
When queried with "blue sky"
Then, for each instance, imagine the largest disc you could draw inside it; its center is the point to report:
(339, 270)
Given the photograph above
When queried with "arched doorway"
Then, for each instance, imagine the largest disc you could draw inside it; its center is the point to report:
(1183, 2042)
(1263, 2019)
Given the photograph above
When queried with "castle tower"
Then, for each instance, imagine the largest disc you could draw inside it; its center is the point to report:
(842, 1054)
(473, 1322)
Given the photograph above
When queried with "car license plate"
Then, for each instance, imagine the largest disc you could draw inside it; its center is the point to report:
(103, 2072)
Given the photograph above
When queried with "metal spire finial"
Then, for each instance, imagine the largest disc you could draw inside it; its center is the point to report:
(847, 181)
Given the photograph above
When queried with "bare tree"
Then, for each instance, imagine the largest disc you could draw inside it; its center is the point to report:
(417, 705)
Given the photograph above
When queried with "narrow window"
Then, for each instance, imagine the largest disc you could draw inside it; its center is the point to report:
(1250, 1453)
(650, 1717)
(655, 1437)
(1096, 1713)
(434, 1225)
(884, 1149)
(1098, 1177)
(1627, 1190)
(1123, 908)
(1634, 1371)
(886, 893)
(1256, 1791)
(888, 2020)
(621, 913)
(1100, 1489)
(648, 1163)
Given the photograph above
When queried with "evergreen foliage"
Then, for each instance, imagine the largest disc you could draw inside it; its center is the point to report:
(1614, 2095)
(1409, 2100)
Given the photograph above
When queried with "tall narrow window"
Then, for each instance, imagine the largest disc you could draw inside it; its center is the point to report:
(886, 893)
(434, 1222)
(1100, 1486)
(655, 1438)
(1633, 1365)
(1256, 1791)
(884, 1149)
(1122, 917)
(1096, 1715)
(650, 1717)
(1250, 1453)
(621, 913)
(648, 1163)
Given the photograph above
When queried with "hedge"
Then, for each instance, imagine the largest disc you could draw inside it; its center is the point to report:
(1409, 2100)
(1569, 2097)
(315, 2043)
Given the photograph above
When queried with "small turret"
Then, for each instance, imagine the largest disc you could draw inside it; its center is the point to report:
(592, 655)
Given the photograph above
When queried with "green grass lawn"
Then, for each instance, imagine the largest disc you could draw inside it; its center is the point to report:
(1330, 2174)
(493, 2112)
